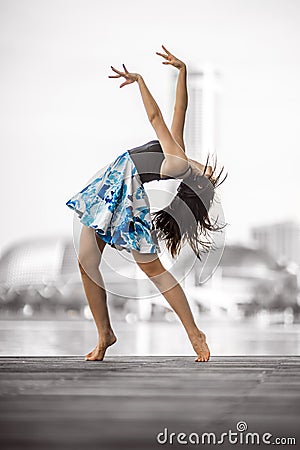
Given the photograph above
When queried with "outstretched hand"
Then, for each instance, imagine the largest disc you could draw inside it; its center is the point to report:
(129, 77)
(171, 59)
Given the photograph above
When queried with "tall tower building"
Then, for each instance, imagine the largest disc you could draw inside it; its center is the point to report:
(203, 115)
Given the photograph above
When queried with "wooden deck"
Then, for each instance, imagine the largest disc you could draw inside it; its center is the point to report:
(123, 402)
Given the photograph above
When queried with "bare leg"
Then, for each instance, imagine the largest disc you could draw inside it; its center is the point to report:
(90, 251)
(174, 294)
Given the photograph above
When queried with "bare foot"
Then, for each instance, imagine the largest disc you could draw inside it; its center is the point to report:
(200, 346)
(97, 354)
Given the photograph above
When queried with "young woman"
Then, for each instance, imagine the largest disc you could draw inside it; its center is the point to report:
(115, 210)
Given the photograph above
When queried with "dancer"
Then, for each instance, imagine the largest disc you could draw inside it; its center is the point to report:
(114, 209)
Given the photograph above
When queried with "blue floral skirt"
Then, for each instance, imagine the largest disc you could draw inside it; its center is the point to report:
(117, 206)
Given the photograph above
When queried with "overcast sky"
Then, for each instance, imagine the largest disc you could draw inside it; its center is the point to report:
(62, 118)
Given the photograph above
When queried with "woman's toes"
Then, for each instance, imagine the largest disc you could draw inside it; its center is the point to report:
(202, 358)
(94, 357)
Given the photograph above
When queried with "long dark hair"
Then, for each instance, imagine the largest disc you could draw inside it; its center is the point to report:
(186, 217)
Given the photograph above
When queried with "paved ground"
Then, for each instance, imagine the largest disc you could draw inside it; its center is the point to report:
(123, 402)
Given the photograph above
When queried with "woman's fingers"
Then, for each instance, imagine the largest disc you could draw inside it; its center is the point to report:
(115, 70)
(125, 68)
(160, 54)
(167, 51)
(120, 74)
(124, 84)
(171, 59)
(129, 77)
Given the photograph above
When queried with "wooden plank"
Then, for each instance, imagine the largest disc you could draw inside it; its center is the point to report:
(125, 401)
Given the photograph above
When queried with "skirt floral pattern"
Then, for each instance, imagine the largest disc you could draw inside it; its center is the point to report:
(117, 206)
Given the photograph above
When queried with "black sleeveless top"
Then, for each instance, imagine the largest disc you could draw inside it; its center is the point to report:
(148, 159)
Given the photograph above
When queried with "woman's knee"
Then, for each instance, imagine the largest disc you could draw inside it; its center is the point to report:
(149, 263)
(152, 269)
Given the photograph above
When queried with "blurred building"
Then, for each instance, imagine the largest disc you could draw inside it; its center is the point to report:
(41, 275)
(246, 281)
(203, 115)
(281, 240)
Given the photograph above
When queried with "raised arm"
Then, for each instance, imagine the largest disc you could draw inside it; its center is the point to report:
(181, 101)
(175, 161)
